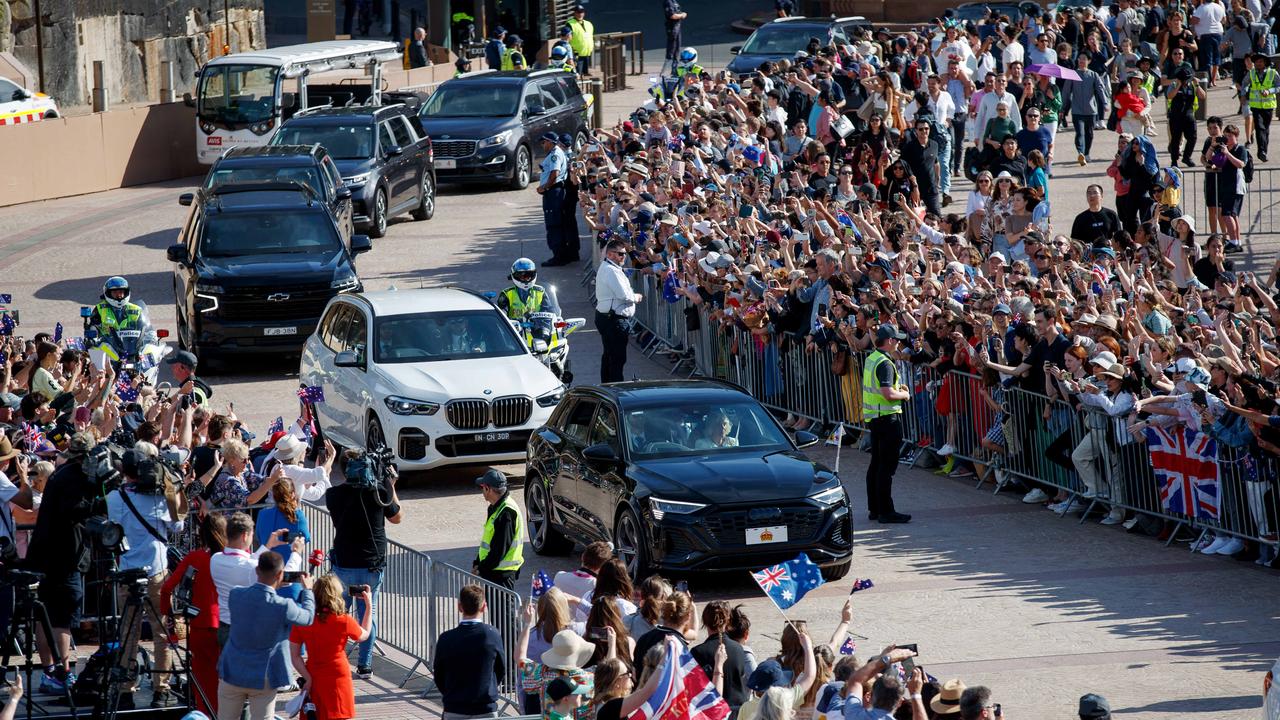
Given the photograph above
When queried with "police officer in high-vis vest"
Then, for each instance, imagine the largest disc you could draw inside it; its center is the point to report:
(525, 294)
(1262, 83)
(512, 55)
(581, 39)
(115, 312)
(882, 396)
(501, 552)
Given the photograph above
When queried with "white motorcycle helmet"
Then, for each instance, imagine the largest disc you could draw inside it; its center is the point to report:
(524, 273)
(111, 292)
(688, 57)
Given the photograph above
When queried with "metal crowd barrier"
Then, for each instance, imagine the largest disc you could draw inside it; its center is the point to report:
(1046, 441)
(418, 600)
(1257, 213)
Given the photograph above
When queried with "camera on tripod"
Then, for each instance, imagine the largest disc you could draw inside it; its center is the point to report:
(134, 577)
(366, 469)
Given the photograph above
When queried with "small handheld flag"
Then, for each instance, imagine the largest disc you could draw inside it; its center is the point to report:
(5, 298)
(126, 391)
(848, 647)
(57, 333)
(786, 583)
(311, 393)
(861, 584)
(542, 582)
(276, 426)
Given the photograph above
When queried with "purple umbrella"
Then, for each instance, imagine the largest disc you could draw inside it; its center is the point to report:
(1054, 71)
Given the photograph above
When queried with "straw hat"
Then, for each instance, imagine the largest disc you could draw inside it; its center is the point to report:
(569, 651)
(947, 702)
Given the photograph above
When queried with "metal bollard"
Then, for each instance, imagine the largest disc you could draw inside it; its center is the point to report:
(167, 93)
(99, 97)
(597, 102)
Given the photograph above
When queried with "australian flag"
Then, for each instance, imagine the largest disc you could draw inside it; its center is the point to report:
(35, 440)
(1186, 469)
(75, 343)
(126, 391)
(683, 692)
(542, 582)
(6, 324)
(5, 298)
(57, 333)
(861, 584)
(276, 426)
(848, 647)
(787, 582)
(311, 393)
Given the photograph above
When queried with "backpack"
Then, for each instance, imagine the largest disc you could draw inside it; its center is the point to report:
(1248, 166)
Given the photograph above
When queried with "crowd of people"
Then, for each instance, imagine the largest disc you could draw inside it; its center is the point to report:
(809, 205)
(82, 441)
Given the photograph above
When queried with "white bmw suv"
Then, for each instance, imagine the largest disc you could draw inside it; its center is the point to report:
(438, 375)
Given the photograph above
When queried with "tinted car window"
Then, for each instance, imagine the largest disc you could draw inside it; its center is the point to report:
(8, 90)
(473, 100)
(698, 429)
(384, 136)
(344, 142)
(533, 98)
(335, 177)
(356, 335)
(444, 336)
(783, 39)
(569, 86)
(577, 425)
(265, 233)
(552, 94)
(400, 130)
(605, 429)
(307, 176)
(333, 331)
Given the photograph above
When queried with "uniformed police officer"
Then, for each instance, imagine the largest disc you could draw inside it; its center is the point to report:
(581, 39)
(512, 55)
(495, 48)
(501, 552)
(882, 396)
(115, 312)
(560, 58)
(555, 166)
(184, 375)
(1262, 83)
(570, 243)
(462, 66)
(525, 295)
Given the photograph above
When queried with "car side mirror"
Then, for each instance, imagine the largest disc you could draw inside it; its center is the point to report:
(394, 150)
(187, 99)
(347, 359)
(735, 49)
(360, 244)
(805, 439)
(185, 199)
(600, 455)
(535, 109)
(176, 253)
(343, 193)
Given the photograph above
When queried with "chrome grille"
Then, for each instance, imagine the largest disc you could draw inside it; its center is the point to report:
(453, 148)
(468, 414)
(252, 303)
(511, 411)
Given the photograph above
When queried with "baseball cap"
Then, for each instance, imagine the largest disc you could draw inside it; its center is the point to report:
(493, 478)
(181, 356)
(766, 675)
(887, 332)
(1183, 365)
(550, 137)
(1001, 308)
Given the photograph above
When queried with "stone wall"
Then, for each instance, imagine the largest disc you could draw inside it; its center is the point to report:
(132, 38)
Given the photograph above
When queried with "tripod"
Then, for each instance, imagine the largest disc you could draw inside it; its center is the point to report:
(21, 634)
(123, 668)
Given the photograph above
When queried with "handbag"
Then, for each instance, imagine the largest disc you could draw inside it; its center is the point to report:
(842, 127)
(839, 362)
(172, 555)
(867, 107)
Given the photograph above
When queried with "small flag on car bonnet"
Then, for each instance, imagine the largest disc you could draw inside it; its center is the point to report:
(311, 393)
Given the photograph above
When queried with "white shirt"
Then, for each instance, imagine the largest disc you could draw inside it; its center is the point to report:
(1013, 52)
(230, 569)
(776, 114)
(613, 290)
(579, 584)
(8, 491)
(1210, 15)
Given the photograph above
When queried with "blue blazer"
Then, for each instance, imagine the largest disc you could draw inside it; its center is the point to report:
(256, 655)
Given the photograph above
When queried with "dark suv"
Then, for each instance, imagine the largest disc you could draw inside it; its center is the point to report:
(309, 165)
(382, 153)
(783, 38)
(256, 265)
(486, 126)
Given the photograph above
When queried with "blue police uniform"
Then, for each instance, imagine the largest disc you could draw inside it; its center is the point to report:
(553, 201)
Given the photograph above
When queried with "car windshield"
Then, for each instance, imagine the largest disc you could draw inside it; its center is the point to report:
(437, 336)
(237, 93)
(473, 100)
(269, 233)
(700, 429)
(781, 39)
(308, 176)
(343, 142)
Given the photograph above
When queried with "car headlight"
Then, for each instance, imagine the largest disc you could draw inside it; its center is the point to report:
(659, 507)
(834, 496)
(345, 283)
(356, 181)
(208, 288)
(552, 398)
(262, 128)
(407, 406)
(496, 140)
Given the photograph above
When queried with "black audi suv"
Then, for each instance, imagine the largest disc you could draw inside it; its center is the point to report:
(682, 475)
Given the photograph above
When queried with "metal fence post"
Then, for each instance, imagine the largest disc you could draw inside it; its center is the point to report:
(99, 95)
(167, 93)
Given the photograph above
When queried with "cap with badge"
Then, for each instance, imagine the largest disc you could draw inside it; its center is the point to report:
(493, 479)
(889, 332)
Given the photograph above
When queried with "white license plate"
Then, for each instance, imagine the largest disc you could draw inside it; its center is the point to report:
(291, 330)
(493, 437)
(765, 535)
(443, 164)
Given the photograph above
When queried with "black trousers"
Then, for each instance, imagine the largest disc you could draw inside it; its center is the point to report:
(1182, 127)
(1261, 128)
(613, 338)
(570, 243)
(957, 143)
(504, 578)
(553, 217)
(886, 441)
(673, 44)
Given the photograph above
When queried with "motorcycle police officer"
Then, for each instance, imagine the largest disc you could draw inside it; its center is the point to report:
(115, 312)
(462, 65)
(525, 295)
(501, 552)
(560, 58)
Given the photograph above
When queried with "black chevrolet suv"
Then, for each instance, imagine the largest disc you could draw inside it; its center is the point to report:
(486, 125)
(384, 156)
(307, 164)
(256, 263)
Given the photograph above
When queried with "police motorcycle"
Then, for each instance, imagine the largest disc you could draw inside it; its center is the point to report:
(544, 332)
(132, 345)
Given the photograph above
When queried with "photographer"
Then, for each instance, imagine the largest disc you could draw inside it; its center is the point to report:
(139, 506)
(361, 508)
(60, 551)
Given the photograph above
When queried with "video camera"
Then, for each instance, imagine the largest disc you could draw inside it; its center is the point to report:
(366, 469)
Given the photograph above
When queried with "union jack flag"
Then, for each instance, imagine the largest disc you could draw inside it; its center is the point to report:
(35, 439)
(683, 692)
(126, 391)
(1186, 467)
(770, 578)
(276, 425)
